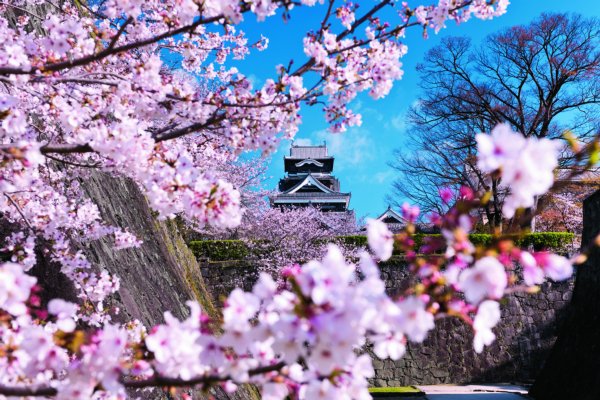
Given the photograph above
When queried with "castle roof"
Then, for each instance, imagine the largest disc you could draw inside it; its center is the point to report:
(309, 182)
(391, 216)
(308, 152)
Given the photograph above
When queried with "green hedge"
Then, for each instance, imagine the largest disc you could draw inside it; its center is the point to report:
(223, 250)
(547, 240)
(539, 240)
(395, 392)
(220, 250)
(354, 240)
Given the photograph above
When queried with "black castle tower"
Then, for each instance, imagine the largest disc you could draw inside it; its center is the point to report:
(309, 182)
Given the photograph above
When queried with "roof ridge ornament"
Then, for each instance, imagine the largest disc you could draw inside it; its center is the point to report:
(309, 161)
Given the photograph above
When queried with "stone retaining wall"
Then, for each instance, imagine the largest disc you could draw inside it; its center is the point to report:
(524, 336)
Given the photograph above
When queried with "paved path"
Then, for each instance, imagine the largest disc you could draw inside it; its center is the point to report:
(475, 396)
(467, 392)
(474, 392)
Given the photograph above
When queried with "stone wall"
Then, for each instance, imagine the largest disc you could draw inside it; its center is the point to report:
(222, 277)
(525, 335)
(161, 275)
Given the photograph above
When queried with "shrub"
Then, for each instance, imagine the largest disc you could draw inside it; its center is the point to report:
(353, 240)
(547, 240)
(219, 250)
(556, 241)
(420, 239)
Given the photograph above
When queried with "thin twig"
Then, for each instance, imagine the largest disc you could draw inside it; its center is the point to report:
(115, 39)
(14, 203)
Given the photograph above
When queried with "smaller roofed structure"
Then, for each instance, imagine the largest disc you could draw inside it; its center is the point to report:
(394, 221)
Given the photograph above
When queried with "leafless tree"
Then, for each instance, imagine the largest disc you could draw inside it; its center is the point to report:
(541, 78)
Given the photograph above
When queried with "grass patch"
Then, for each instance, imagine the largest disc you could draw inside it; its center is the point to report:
(382, 392)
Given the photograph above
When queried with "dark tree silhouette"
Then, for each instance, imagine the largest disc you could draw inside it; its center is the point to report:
(541, 78)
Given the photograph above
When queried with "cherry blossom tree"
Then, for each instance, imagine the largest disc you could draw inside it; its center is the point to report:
(562, 210)
(85, 86)
(278, 238)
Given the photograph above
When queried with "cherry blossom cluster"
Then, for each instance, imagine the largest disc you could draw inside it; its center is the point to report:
(435, 17)
(277, 237)
(526, 165)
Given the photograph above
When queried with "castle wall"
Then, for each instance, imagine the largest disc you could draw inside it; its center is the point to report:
(524, 337)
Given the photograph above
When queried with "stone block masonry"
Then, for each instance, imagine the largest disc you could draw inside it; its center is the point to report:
(525, 334)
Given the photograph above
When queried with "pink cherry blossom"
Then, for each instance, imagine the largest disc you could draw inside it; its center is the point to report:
(15, 287)
(558, 268)
(65, 313)
(532, 273)
(125, 240)
(392, 345)
(175, 345)
(488, 315)
(414, 320)
(526, 165)
(381, 240)
(485, 279)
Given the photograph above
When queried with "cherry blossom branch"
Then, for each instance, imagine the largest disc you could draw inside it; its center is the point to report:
(111, 50)
(115, 39)
(156, 381)
(66, 148)
(311, 62)
(161, 381)
(43, 391)
(53, 67)
(71, 163)
(15, 205)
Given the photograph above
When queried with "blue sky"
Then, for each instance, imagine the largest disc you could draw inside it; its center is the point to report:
(363, 153)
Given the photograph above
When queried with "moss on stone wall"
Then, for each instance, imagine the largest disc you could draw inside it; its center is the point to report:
(186, 259)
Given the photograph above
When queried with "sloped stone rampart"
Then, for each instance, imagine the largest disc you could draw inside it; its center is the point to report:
(161, 275)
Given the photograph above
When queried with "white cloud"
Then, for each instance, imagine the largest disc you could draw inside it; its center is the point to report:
(399, 122)
(353, 149)
(255, 81)
(383, 176)
(372, 114)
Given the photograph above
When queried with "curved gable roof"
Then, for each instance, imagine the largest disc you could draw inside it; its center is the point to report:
(389, 213)
(309, 180)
